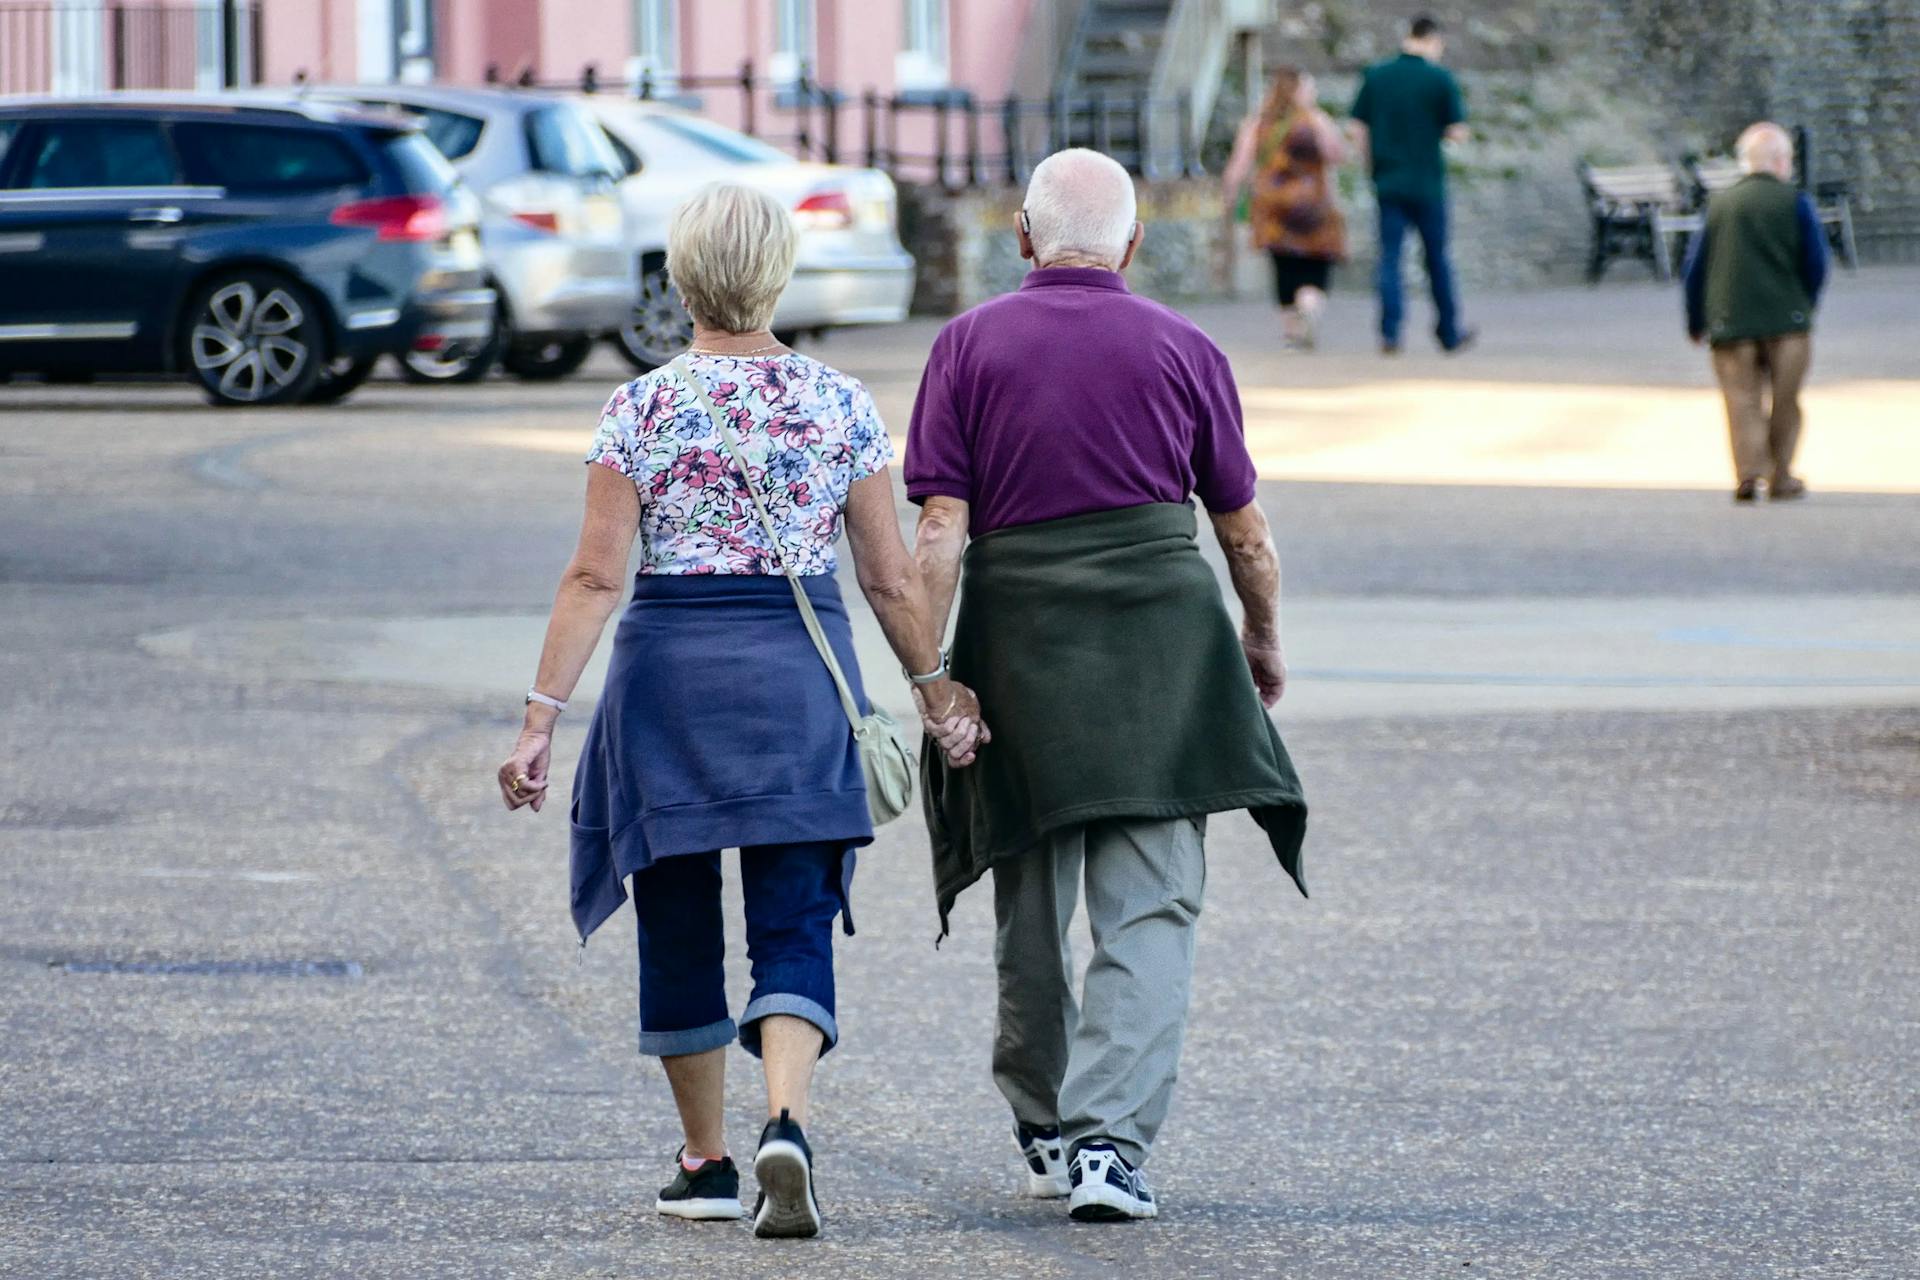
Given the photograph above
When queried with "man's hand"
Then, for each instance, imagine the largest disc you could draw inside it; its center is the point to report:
(954, 721)
(1268, 662)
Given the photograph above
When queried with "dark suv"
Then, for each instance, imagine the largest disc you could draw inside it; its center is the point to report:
(270, 252)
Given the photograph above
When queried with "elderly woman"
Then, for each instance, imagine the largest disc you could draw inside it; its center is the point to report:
(720, 725)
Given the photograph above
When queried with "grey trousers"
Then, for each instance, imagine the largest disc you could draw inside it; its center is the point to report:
(1102, 1068)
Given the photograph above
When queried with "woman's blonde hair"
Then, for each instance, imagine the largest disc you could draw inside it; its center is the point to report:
(730, 252)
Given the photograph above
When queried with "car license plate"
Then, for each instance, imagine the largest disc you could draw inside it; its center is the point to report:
(465, 244)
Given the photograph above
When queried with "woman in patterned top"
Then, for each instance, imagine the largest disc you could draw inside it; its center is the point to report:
(1290, 150)
(720, 727)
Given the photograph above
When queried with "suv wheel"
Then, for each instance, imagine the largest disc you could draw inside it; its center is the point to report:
(659, 328)
(253, 337)
(340, 377)
(460, 364)
(539, 361)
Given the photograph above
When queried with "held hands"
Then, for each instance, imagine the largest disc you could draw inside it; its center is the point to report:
(1268, 662)
(523, 778)
(950, 713)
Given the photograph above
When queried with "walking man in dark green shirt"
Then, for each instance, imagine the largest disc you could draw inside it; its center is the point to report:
(1407, 107)
(1753, 279)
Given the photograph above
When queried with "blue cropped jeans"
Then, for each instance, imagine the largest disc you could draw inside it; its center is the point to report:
(792, 893)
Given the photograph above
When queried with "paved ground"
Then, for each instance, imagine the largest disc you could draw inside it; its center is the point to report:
(1610, 970)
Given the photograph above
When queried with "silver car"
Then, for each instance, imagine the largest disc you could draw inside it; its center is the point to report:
(852, 267)
(552, 224)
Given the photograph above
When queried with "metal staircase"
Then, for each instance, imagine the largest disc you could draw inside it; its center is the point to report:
(1136, 74)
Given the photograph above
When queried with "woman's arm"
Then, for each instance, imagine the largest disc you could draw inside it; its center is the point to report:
(589, 592)
(1333, 147)
(1240, 163)
(892, 584)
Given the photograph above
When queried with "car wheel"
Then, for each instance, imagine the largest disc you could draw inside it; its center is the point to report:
(340, 377)
(659, 328)
(253, 337)
(458, 364)
(539, 361)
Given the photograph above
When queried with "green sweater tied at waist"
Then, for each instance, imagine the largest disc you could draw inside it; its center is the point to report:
(1114, 680)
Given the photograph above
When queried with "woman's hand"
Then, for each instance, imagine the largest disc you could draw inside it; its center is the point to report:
(950, 713)
(523, 778)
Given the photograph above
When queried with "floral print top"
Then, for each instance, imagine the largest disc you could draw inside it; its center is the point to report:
(809, 431)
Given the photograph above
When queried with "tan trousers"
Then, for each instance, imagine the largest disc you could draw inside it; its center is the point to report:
(1764, 434)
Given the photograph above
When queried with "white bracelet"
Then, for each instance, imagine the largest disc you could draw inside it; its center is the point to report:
(534, 695)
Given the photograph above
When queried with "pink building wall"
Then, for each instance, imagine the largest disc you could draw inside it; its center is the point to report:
(858, 40)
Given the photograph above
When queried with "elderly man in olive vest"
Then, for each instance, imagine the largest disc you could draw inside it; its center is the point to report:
(1753, 279)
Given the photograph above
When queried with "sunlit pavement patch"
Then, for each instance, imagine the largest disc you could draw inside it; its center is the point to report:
(1350, 656)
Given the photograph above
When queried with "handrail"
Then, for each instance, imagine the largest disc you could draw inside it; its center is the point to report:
(1193, 57)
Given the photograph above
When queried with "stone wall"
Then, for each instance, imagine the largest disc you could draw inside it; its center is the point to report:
(1548, 83)
(968, 252)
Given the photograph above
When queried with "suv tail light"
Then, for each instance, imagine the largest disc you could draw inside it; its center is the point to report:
(539, 219)
(828, 210)
(413, 218)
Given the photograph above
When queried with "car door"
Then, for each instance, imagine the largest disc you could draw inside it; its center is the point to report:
(92, 210)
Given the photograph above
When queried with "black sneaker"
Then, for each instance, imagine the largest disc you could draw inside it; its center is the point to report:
(784, 1168)
(1046, 1160)
(710, 1193)
(1108, 1189)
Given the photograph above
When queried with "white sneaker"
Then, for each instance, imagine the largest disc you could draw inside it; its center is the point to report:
(1108, 1189)
(1046, 1161)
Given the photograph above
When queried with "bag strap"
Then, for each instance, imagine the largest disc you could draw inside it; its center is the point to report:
(807, 615)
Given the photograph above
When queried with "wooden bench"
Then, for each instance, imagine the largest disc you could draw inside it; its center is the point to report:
(1631, 207)
(1713, 174)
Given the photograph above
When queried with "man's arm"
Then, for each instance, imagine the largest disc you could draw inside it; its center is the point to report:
(937, 544)
(1813, 247)
(1454, 123)
(1253, 563)
(1694, 274)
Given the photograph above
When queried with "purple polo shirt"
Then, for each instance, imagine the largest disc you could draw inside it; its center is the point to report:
(1071, 396)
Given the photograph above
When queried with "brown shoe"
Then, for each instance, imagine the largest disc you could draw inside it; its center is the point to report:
(1786, 489)
(1747, 492)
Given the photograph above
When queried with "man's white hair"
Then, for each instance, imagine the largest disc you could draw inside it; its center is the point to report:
(1079, 205)
(1765, 148)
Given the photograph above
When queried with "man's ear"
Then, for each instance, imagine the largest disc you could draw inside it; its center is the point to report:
(1023, 228)
(1133, 245)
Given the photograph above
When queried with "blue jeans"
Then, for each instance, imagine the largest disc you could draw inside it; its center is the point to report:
(1429, 219)
(792, 893)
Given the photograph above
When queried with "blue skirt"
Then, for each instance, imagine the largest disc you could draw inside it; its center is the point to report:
(719, 728)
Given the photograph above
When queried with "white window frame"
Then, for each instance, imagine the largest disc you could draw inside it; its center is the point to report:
(79, 48)
(922, 62)
(796, 33)
(656, 44)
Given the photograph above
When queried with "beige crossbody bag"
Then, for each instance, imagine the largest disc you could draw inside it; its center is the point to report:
(884, 758)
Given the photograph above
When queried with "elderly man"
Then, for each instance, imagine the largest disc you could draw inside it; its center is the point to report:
(1065, 427)
(1753, 279)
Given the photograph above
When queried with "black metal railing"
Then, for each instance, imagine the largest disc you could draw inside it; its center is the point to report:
(951, 139)
(91, 47)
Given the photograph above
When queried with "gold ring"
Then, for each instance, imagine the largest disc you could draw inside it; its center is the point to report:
(514, 785)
